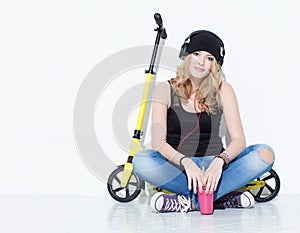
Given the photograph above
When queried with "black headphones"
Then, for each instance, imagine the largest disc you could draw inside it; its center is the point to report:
(183, 51)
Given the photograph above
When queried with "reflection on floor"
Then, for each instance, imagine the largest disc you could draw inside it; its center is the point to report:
(79, 214)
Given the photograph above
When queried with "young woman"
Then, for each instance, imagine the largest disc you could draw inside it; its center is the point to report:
(187, 148)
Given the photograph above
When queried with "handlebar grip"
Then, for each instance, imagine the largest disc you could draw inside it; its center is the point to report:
(164, 34)
(158, 19)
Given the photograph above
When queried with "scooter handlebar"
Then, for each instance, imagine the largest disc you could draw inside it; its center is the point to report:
(159, 22)
(158, 19)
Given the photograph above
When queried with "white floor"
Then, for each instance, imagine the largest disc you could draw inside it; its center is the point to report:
(74, 214)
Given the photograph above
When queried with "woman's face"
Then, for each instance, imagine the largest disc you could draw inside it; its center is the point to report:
(200, 64)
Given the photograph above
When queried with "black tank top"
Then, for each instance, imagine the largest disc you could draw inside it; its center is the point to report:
(205, 140)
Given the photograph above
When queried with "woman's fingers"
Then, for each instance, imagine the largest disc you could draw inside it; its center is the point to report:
(195, 177)
(212, 177)
(211, 185)
(195, 185)
(200, 185)
(189, 182)
(208, 185)
(194, 182)
(204, 178)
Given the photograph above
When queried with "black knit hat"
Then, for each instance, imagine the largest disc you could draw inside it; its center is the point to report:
(206, 41)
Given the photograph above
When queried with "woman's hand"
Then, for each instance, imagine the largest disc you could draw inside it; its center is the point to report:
(194, 174)
(212, 175)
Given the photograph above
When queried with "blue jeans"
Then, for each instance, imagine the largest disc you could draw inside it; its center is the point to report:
(155, 169)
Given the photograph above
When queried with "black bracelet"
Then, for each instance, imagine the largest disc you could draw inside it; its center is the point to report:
(180, 160)
(225, 165)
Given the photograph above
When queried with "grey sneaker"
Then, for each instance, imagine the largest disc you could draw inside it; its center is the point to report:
(162, 203)
(237, 199)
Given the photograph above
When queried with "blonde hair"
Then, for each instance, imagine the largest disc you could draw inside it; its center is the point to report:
(208, 93)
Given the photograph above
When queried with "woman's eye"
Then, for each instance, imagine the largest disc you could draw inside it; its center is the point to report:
(210, 58)
(196, 53)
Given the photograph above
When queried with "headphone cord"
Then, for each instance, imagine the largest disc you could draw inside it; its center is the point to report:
(193, 130)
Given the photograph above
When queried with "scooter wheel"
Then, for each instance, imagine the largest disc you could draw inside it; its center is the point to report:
(270, 189)
(123, 194)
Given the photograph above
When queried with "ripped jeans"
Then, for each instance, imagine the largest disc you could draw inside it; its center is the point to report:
(152, 167)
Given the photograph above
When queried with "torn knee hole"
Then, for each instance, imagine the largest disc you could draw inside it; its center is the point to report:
(266, 155)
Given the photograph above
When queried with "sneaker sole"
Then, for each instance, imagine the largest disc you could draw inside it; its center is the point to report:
(248, 201)
(154, 199)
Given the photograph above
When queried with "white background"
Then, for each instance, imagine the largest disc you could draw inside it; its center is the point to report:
(48, 47)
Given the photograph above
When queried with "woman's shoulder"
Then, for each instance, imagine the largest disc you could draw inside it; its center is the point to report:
(226, 88)
(162, 92)
(227, 93)
(162, 87)
(163, 84)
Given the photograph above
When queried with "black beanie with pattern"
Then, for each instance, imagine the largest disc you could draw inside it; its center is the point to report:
(206, 41)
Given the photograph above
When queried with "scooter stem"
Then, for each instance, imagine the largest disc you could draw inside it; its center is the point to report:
(135, 143)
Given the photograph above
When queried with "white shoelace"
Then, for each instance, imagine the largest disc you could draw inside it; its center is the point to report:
(183, 204)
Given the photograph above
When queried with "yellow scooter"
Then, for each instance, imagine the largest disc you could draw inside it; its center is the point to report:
(123, 185)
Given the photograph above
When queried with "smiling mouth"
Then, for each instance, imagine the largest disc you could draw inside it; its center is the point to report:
(199, 69)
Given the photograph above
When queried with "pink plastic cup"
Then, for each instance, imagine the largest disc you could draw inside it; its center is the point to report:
(206, 202)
